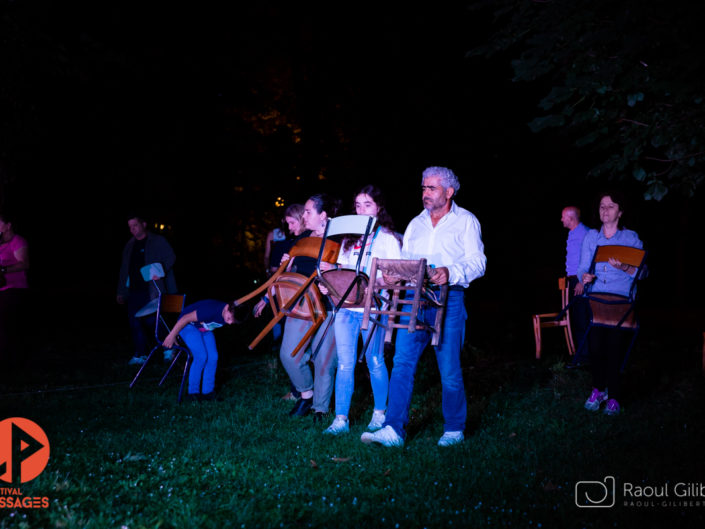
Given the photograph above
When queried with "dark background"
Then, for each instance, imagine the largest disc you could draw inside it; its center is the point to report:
(202, 117)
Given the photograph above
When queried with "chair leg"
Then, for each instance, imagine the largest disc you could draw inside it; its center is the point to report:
(134, 380)
(629, 350)
(187, 366)
(537, 337)
(309, 335)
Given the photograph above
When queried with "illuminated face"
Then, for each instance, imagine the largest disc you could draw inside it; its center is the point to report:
(313, 220)
(566, 219)
(610, 212)
(295, 225)
(138, 228)
(364, 205)
(228, 316)
(435, 196)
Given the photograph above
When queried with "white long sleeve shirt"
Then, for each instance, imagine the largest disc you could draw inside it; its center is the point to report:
(455, 243)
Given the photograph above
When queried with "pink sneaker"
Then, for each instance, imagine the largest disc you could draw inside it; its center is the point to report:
(612, 407)
(596, 398)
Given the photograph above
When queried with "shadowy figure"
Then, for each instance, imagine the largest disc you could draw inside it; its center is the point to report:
(143, 248)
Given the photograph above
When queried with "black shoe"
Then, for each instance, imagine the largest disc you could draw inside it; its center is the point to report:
(209, 396)
(577, 364)
(302, 407)
(318, 417)
(192, 397)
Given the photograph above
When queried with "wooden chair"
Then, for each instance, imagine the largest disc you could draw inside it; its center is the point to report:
(555, 319)
(391, 299)
(614, 310)
(295, 295)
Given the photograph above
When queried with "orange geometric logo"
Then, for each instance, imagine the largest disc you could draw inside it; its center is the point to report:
(24, 450)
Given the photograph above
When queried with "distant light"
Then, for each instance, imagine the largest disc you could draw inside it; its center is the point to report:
(298, 178)
(239, 189)
(161, 227)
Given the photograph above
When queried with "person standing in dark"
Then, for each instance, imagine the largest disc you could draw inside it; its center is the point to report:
(142, 249)
(570, 217)
(14, 291)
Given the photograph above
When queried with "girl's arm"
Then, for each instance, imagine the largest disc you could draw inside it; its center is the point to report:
(184, 320)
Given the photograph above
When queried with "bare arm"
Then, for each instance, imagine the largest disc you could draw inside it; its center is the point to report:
(184, 320)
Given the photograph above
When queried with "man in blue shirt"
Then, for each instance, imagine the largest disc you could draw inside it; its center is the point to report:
(570, 217)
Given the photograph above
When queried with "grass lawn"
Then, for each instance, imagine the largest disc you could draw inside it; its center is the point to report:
(125, 458)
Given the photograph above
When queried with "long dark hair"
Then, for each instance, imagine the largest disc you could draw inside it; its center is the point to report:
(384, 219)
(324, 202)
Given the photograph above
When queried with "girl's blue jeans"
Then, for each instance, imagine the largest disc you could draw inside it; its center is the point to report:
(347, 331)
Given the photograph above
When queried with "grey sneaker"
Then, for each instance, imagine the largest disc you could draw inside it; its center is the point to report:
(451, 438)
(377, 421)
(339, 425)
(595, 399)
(386, 437)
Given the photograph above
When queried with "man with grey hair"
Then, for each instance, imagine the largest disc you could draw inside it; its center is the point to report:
(449, 238)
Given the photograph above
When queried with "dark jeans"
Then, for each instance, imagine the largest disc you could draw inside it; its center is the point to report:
(579, 320)
(607, 348)
(140, 328)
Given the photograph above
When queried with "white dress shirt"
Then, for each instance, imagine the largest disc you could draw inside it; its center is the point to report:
(455, 243)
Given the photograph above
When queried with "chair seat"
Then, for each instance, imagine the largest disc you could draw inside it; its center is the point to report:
(338, 281)
(611, 309)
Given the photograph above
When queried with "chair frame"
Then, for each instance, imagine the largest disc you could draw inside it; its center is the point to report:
(361, 225)
(395, 302)
(635, 257)
(304, 289)
(555, 319)
(172, 304)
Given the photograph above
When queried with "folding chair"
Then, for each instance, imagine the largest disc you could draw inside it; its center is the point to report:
(614, 310)
(346, 287)
(295, 295)
(555, 319)
(390, 299)
(167, 304)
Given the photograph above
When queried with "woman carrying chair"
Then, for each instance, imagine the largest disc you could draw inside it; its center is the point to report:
(315, 394)
(606, 344)
(384, 244)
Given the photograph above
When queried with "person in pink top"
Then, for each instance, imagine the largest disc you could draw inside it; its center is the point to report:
(14, 263)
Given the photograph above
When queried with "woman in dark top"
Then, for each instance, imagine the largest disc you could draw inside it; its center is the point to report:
(196, 326)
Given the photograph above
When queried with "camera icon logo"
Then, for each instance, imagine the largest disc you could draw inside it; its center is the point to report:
(595, 494)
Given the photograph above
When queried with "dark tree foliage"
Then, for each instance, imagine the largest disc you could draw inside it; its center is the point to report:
(623, 78)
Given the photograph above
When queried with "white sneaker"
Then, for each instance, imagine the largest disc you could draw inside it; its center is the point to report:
(386, 437)
(377, 421)
(137, 360)
(338, 426)
(168, 355)
(451, 438)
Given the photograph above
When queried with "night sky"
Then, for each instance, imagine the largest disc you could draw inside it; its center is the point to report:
(202, 117)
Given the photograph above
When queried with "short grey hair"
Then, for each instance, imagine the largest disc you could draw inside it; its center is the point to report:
(448, 178)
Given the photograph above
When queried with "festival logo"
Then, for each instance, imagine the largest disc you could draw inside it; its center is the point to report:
(24, 453)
